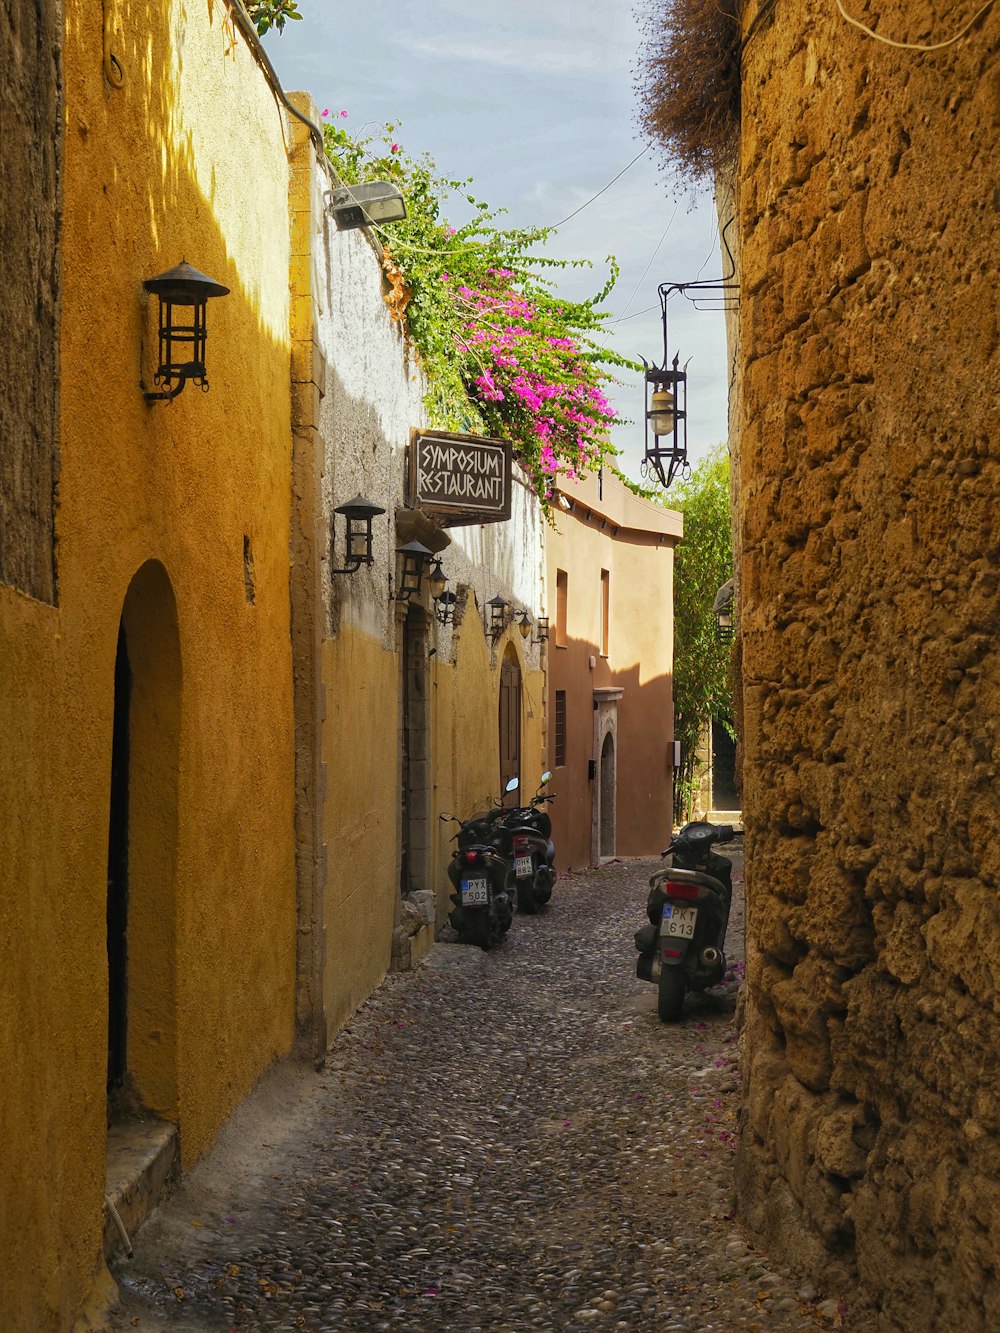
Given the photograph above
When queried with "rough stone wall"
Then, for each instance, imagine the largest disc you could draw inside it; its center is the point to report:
(30, 94)
(869, 548)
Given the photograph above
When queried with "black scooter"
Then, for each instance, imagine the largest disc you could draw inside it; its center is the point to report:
(688, 907)
(533, 853)
(483, 905)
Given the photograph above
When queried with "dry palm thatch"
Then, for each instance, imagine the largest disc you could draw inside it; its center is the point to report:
(689, 83)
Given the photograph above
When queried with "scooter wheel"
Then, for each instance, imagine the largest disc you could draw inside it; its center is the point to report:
(670, 995)
(526, 899)
(488, 933)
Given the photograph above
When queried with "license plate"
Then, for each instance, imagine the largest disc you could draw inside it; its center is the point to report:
(522, 867)
(678, 921)
(474, 893)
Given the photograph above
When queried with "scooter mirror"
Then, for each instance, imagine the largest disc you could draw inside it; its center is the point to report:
(513, 785)
(545, 777)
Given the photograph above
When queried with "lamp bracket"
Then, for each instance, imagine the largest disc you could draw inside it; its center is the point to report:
(666, 454)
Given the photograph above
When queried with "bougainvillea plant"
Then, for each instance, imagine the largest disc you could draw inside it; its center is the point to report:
(504, 353)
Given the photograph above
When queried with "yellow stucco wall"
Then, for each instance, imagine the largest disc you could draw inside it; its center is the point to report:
(167, 496)
(361, 753)
(360, 817)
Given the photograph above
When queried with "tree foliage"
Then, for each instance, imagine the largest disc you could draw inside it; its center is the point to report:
(702, 563)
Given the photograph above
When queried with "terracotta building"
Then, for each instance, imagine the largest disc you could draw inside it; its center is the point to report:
(609, 565)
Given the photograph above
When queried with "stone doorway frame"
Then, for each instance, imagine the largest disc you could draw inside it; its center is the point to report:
(605, 725)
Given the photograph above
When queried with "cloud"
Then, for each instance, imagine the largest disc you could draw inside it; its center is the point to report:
(528, 57)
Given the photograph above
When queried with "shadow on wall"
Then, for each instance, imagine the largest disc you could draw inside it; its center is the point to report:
(185, 484)
(643, 772)
(165, 181)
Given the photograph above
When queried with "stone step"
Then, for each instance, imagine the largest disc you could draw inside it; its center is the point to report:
(734, 817)
(143, 1158)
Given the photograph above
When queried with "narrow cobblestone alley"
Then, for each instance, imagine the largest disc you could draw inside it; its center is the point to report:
(497, 1141)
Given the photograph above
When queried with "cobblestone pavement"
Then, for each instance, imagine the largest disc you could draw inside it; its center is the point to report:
(502, 1141)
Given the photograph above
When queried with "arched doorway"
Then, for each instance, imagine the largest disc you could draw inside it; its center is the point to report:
(415, 777)
(607, 798)
(724, 793)
(142, 852)
(510, 722)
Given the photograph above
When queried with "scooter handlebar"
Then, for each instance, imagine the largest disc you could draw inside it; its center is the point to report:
(709, 835)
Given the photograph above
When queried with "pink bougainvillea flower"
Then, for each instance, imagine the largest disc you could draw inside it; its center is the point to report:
(343, 116)
(395, 148)
(326, 111)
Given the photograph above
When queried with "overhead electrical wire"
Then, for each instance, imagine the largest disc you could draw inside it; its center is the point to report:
(914, 46)
(419, 249)
(642, 276)
(556, 225)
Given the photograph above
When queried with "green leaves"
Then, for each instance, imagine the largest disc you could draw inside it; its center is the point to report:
(703, 562)
(267, 14)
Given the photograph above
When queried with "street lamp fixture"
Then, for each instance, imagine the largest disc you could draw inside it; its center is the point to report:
(666, 384)
(444, 607)
(497, 622)
(415, 559)
(365, 205)
(437, 579)
(358, 514)
(666, 418)
(182, 336)
(722, 609)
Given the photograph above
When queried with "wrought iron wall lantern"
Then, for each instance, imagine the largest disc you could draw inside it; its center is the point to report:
(437, 579)
(444, 607)
(416, 557)
(666, 384)
(722, 609)
(496, 622)
(181, 335)
(364, 205)
(358, 514)
(526, 627)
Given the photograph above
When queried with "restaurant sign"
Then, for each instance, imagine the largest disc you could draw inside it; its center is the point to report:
(460, 479)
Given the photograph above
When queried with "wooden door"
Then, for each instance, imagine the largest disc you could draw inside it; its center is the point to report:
(510, 724)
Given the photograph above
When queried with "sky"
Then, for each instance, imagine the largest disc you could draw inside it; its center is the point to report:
(535, 100)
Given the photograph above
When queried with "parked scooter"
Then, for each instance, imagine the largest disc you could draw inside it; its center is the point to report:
(688, 907)
(533, 853)
(483, 904)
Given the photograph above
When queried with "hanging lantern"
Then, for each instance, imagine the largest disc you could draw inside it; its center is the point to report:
(437, 580)
(666, 422)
